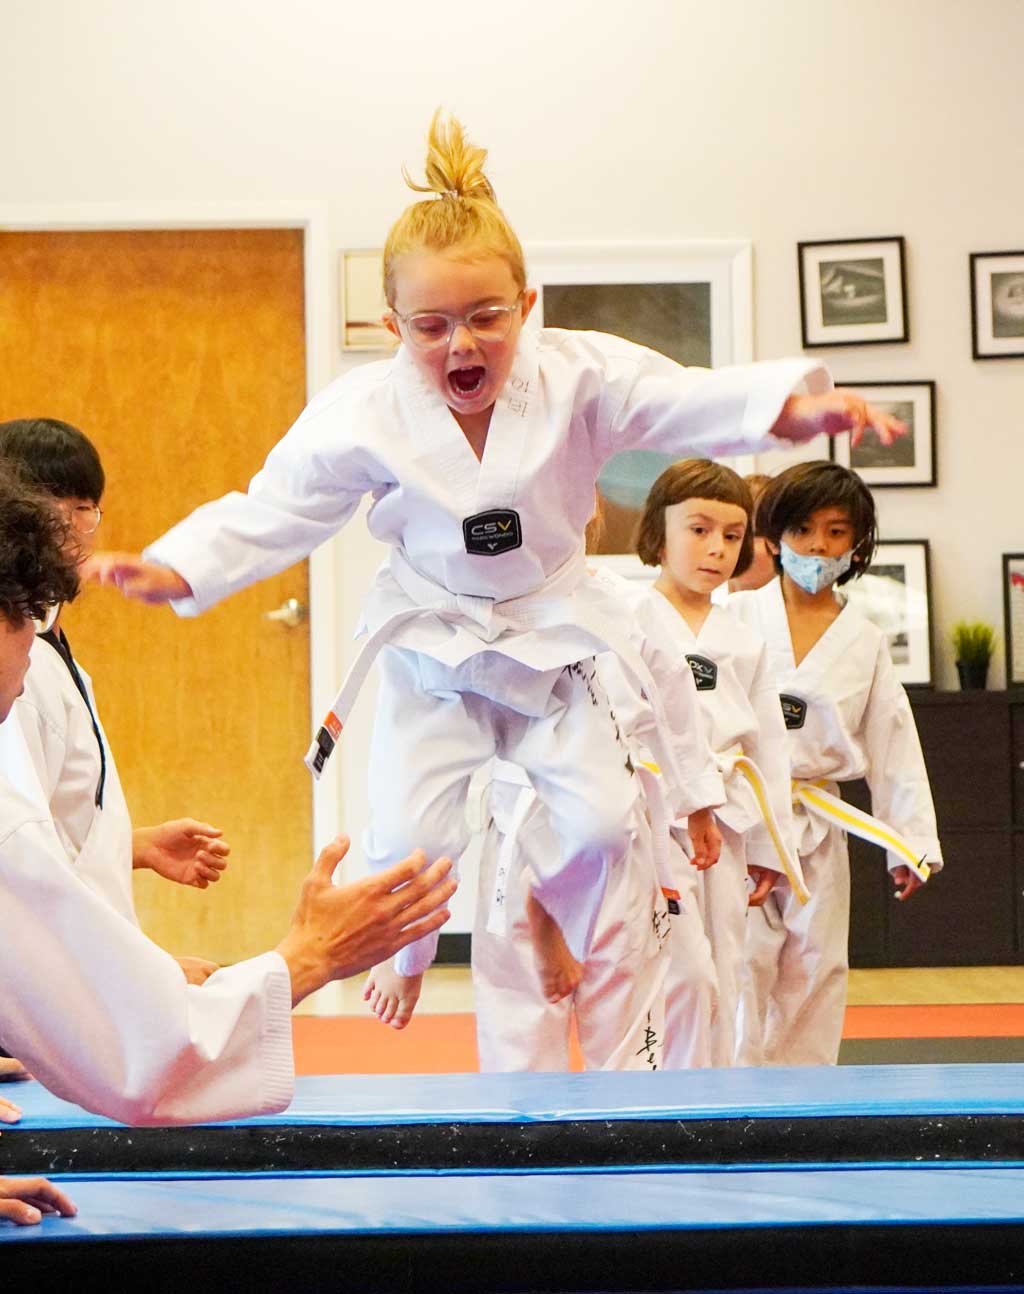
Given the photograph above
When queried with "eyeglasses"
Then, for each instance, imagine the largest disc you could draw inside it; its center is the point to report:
(43, 624)
(86, 518)
(430, 328)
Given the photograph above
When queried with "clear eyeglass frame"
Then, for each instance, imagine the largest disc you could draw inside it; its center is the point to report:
(428, 329)
(86, 518)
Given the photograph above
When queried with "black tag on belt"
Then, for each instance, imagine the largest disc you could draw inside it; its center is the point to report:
(489, 533)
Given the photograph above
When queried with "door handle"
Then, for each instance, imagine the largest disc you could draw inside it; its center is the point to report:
(290, 613)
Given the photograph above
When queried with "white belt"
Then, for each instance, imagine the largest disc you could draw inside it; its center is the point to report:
(546, 607)
(735, 761)
(834, 810)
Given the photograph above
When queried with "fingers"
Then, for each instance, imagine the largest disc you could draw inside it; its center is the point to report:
(23, 1215)
(40, 1195)
(426, 926)
(109, 567)
(763, 879)
(9, 1112)
(329, 858)
(393, 878)
(427, 891)
(12, 1071)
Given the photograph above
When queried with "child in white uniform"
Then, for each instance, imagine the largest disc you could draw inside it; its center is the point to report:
(58, 717)
(848, 717)
(619, 1004)
(480, 444)
(697, 526)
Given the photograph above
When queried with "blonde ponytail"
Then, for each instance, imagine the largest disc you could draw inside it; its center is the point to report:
(463, 215)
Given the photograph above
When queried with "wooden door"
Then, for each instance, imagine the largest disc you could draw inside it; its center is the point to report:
(181, 354)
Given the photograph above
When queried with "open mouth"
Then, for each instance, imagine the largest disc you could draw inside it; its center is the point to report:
(467, 382)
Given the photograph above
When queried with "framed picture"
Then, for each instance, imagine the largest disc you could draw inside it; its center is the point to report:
(1013, 617)
(895, 594)
(361, 293)
(692, 301)
(997, 305)
(911, 460)
(853, 293)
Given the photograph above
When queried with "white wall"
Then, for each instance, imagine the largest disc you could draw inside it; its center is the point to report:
(777, 120)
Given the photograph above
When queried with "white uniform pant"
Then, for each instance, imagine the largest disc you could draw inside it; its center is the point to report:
(691, 994)
(432, 733)
(619, 1007)
(794, 995)
(725, 920)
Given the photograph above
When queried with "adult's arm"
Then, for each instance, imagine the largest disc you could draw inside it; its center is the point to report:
(104, 1018)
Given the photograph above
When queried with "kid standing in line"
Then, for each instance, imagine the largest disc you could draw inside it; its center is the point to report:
(697, 526)
(848, 717)
(480, 443)
(58, 719)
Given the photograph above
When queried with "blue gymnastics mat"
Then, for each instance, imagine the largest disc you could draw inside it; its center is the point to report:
(727, 1119)
(818, 1092)
(922, 1229)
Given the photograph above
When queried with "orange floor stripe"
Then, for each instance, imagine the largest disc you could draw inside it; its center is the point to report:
(446, 1044)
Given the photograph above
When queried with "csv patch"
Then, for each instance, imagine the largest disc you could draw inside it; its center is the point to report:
(491, 533)
(705, 672)
(794, 711)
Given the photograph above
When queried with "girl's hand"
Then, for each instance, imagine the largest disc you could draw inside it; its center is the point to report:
(136, 578)
(763, 878)
(805, 416)
(906, 882)
(24, 1200)
(705, 839)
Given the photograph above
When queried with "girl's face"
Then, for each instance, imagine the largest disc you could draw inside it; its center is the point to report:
(703, 538)
(828, 532)
(83, 518)
(466, 369)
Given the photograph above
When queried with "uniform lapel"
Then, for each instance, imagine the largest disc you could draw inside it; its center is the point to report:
(517, 415)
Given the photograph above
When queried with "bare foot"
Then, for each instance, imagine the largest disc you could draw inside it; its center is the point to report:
(392, 997)
(560, 973)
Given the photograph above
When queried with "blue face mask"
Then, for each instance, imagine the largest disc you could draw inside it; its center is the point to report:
(813, 574)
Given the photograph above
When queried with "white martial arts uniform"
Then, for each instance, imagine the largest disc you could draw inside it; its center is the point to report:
(74, 772)
(741, 713)
(104, 1018)
(619, 1005)
(848, 717)
(496, 617)
(621, 1001)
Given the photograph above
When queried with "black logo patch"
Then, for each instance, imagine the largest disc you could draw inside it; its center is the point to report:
(705, 672)
(794, 711)
(491, 533)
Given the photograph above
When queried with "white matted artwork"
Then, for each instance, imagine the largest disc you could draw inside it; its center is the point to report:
(895, 594)
(361, 294)
(997, 304)
(911, 459)
(692, 301)
(1013, 617)
(853, 293)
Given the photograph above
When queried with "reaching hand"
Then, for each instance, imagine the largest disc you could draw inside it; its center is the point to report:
(338, 931)
(24, 1200)
(136, 578)
(197, 969)
(184, 850)
(12, 1071)
(805, 416)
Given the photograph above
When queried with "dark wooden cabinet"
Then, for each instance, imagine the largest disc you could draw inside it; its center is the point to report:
(971, 913)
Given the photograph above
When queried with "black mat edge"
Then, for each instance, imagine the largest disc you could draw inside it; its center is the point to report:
(587, 1143)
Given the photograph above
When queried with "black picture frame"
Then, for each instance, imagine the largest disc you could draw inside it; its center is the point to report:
(985, 343)
(1013, 609)
(924, 472)
(912, 636)
(817, 328)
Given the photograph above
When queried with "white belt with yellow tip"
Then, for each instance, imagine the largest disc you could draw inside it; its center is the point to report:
(835, 811)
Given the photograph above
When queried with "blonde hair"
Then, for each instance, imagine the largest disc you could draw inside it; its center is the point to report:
(463, 213)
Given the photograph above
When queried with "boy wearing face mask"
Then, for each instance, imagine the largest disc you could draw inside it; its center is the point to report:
(847, 717)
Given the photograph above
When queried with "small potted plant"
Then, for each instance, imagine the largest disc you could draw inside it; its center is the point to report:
(973, 645)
